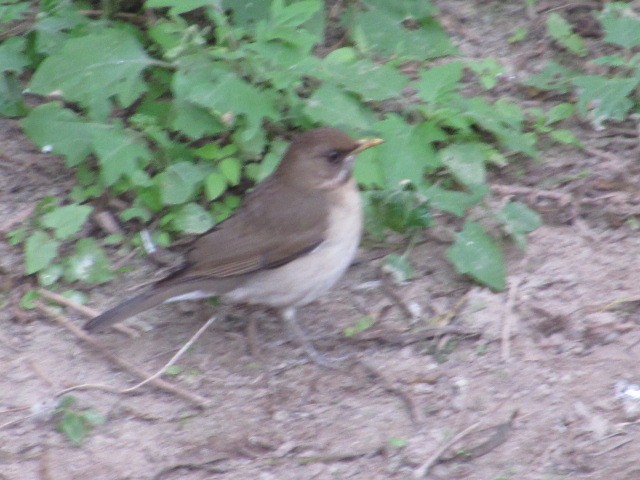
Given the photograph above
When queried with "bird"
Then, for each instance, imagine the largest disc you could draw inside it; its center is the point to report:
(291, 239)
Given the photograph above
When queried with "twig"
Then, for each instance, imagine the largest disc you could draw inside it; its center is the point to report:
(507, 320)
(414, 413)
(499, 436)
(423, 469)
(252, 340)
(610, 449)
(596, 152)
(562, 198)
(43, 466)
(124, 260)
(175, 358)
(13, 410)
(40, 374)
(88, 386)
(13, 422)
(395, 297)
(335, 458)
(135, 371)
(408, 338)
(84, 310)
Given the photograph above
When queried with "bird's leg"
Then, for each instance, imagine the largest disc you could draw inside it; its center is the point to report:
(289, 316)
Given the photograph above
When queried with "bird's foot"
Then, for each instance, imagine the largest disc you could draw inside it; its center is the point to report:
(313, 354)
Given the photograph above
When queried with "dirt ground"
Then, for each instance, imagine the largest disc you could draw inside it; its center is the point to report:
(528, 380)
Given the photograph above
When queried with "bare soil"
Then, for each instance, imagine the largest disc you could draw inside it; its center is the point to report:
(527, 376)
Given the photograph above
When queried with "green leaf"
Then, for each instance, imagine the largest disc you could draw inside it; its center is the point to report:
(552, 77)
(60, 131)
(504, 120)
(231, 169)
(438, 83)
(519, 34)
(73, 427)
(40, 249)
(621, 24)
(363, 323)
(381, 28)
(93, 417)
(329, 105)
(17, 236)
(603, 98)
(52, 30)
(138, 212)
(612, 61)
(475, 253)
(28, 300)
(13, 10)
(120, 153)
(192, 218)
(518, 219)
(454, 202)
(559, 112)
(173, 370)
(271, 160)
(406, 153)
(50, 275)
(398, 210)
(294, 14)
(178, 182)
(397, 442)
(66, 221)
(75, 296)
(11, 101)
(560, 30)
(12, 57)
(488, 71)
(466, 162)
(211, 86)
(92, 69)
(215, 185)
(370, 80)
(565, 137)
(194, 121)
(178, 7)
(245, 13)
(88, 263)
(65, 403)
(399, 267)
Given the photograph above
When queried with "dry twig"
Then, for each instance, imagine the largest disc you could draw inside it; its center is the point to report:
(414, 412)
(423, 469)
(84, 310)
(135, 371)
(507, 319)
(175, 358)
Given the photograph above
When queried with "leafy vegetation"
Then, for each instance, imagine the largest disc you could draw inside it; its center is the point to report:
(76, 424)
(179, 112)
(609, 96)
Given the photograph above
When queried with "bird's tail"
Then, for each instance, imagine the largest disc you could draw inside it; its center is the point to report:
(159, 293)
(126, 309)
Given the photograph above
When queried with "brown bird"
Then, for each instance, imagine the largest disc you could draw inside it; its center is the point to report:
(291, 240)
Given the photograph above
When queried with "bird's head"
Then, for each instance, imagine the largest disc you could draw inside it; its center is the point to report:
(321, 159)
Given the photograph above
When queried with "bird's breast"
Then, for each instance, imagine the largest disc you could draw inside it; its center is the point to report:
(307, 277)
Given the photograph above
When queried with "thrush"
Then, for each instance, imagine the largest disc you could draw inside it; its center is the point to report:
(289, 242)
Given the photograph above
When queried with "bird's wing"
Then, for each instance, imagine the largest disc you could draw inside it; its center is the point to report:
(258, 236)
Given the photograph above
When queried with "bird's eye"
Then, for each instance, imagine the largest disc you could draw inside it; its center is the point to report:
(333, 156)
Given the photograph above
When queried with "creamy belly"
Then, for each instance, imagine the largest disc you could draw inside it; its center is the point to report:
(303, 280)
